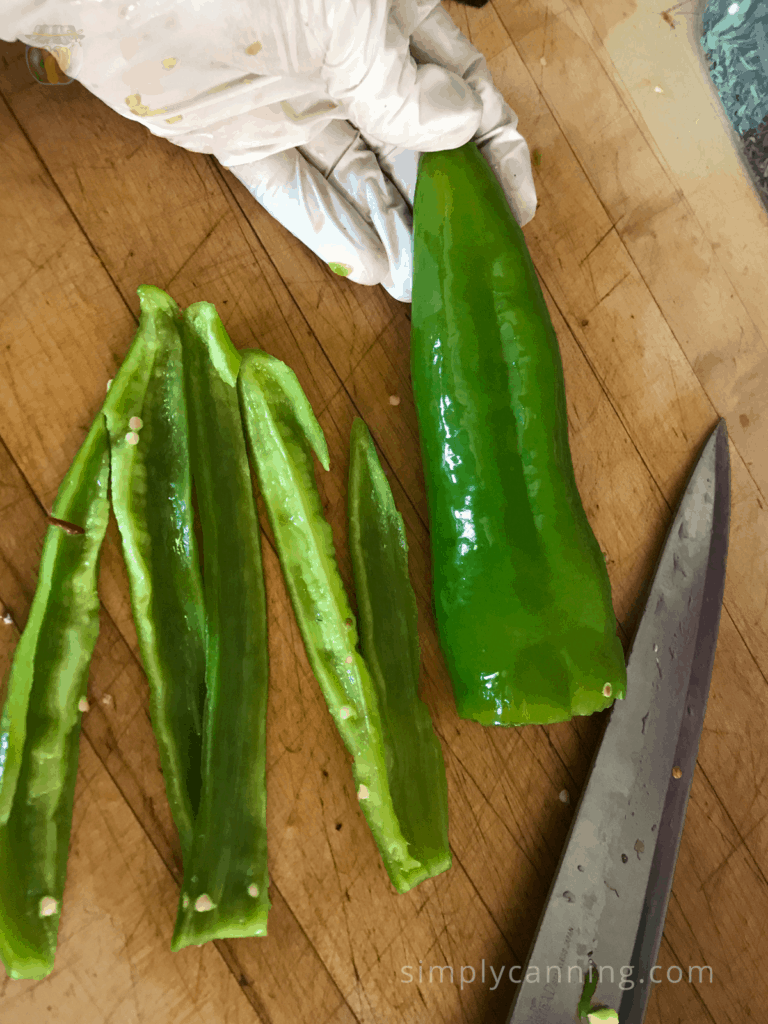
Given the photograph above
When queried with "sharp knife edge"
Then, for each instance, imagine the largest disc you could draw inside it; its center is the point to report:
(596, 890)
(635, 1001)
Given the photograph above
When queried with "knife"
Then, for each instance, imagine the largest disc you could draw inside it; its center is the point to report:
(608, 901)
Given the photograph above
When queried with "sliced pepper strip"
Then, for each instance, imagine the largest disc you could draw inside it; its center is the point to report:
(389, 641)
(152, 500)
(282, 433)
(224, 894)
(49, 678)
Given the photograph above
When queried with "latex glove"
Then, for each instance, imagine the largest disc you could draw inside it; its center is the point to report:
(360, 225)
(437, 39)
(306, 101)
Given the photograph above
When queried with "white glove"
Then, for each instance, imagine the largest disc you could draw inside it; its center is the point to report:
(317, 106)
(438, 40)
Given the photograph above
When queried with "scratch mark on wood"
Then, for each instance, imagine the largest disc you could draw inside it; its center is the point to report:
(613, 289)
(196, 249)
(597, 244)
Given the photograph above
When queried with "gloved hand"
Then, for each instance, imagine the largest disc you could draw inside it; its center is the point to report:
(319, 107)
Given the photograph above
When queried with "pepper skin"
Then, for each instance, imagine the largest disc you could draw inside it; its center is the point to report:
(49, 678)
(224, 893)
(521, 591)
(389, 641)
(151, 487)
(282, 434)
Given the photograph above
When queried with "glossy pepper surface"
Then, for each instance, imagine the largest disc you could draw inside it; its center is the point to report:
(389, 641)
(151, 487)
(521, 590)
(224, 893)
(40, 731)
(282, 435)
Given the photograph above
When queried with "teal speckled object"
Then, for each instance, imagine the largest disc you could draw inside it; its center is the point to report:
(736, 41)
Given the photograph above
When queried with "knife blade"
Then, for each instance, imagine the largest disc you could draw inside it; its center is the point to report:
(608, 900)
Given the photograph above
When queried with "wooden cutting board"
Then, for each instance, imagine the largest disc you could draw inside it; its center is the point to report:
(651, 248)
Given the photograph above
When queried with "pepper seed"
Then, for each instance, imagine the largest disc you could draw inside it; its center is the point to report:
(345, 712)
(132, 437)
(204, 902)
(348, 659)
(253, 890)
(362, 793)
(135, 423)
(48, 906)
(607, 690)
(677, 772)
(83, 705)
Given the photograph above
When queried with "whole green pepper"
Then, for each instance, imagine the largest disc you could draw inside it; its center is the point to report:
(282, 434)
(522, 594)
(389, 640)
(224, 893)
(151, 488)
(43, 711)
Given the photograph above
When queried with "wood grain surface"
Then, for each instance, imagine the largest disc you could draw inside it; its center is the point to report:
(651, 248)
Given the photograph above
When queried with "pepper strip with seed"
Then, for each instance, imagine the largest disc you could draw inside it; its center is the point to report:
(41, 718)
(152, 502)
(388, 617)
(224, 894)
(282, 434)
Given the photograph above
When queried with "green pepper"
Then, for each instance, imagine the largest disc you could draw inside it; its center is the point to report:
(589, 989)
(521, 590)
(282, 434)
(389, 642)
(42, 715)
(152, 500)
(224, 893)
